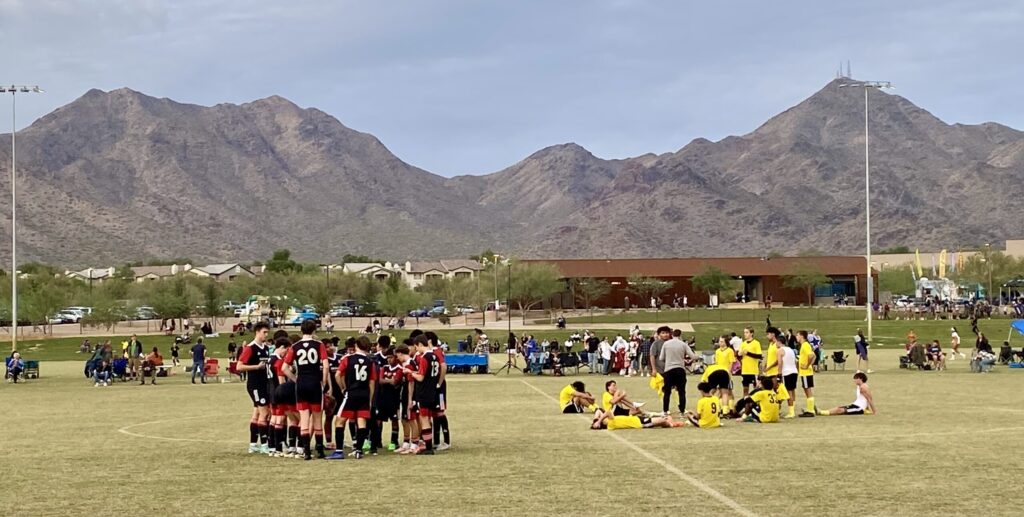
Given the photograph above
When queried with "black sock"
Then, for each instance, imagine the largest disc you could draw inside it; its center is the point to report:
(443, 420)
(304, 443)
(360, 438)
(339, 437)
(319, 441)
(293, 436)
(327, 431)
(427, 435)
(264, 430)
(352, 428)
(275, 437)
(254, 432)
(435, 423)
(394, 431)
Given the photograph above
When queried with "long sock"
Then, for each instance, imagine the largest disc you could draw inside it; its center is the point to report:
(293, 436)
(360, 438)
(792, 410)
(327, 430)
(339, 437)
(394, 431)
(810, 404)
(264, 430)
(376, 434)
(443, 420)
(319, 435)
(304, 443)
(427, 435)
(277, 437)
(435, 423)
(352, 428)
(254, 433)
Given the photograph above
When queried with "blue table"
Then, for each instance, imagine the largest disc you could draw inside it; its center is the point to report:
(464, 363)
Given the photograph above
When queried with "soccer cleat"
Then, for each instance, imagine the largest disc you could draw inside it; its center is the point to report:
(373, 452)
(444, 447)
(320, 453)
(337, 455)
(264, 449)
(639, 405)
(253, 448)
(392, 447)
(358, 455)
(806, 414)
(789, 415)
(96, 385)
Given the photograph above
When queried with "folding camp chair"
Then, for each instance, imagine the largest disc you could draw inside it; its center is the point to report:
(839, 360)
(212, 368)
(31, 369)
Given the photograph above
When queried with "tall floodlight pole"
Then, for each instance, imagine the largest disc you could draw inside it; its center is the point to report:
(14, 90)
(868, 85)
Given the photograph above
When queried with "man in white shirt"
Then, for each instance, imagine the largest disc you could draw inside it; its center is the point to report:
(735, 342)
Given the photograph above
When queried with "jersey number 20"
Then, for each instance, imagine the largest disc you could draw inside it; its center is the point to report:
(307, 356)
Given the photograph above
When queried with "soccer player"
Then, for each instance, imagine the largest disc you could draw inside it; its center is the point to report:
(607, 420)
(574, 398)
(805, 371)
(954, 343)
(357, 376)
(762, 405)
(863, 404)
(708, 408)
(750, 357)
(617, 402)
(333, 398)
(426, 376)
(306, 364)
(773, 361)
(409, 410)
(254, 360)
(278, 406)
(387, 402)
(790, 377)
(441, 419)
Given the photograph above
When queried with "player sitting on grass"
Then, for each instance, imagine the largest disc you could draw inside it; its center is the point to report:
(708, 408)
(863, 404)
(762, 405)
(615, 400)
(574, 398)
(608, 420)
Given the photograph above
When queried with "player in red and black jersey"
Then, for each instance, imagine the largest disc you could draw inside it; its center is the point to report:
(440, 421)
(334, 393)
(426, 376)
(408, 411)
(279, 401)
(253, 362)
(306, 364)
(387, 401)
(357, 376)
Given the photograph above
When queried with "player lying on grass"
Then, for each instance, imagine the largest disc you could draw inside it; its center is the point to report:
(708, 408)
(863, 404)
(762, 405)
(608, 420)
(574, 399)
(617, 401)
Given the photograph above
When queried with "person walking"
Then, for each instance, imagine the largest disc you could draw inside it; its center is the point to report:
(675, 353)
(198, 354)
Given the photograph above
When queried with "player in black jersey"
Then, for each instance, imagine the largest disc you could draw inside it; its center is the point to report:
(357, 376)
(253, 361)
(387, 399)
(426, 375)
(306, 364)
(407, 406)
(333, 394)
(440, 422)
(279, 402)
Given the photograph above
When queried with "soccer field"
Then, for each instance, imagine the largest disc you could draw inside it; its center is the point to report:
(940, 444)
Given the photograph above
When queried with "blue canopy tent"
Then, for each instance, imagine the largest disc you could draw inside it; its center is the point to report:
(1018, 325)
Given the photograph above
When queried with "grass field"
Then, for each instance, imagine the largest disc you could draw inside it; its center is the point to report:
(940, 444)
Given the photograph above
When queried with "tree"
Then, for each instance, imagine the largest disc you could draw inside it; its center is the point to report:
(349, 258)
(712, 280)
(281, 262)
(125, 273)
(172, 299)
(647, 287)
(895, 250)
(211, 300)
(804, 275)
(532, 283)
(396, 300)
(106, 312)
(586, 290)
(897, 280)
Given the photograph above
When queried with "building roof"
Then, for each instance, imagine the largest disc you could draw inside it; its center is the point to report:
(688, 267)
(359, 267)
(160, 271)
(443, 266)
(426, 267)
(218, 269)
(453, 264)
(92, 273)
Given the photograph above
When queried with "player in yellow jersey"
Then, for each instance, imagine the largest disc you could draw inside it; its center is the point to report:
(607, 420)
(708, 409)
(617, 401)
(805, 370)
(762, 405)
(750, 357)
(717, 375)
(773, 361)
(574, 399)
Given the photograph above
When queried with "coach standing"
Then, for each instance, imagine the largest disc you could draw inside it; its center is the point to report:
(674, 355)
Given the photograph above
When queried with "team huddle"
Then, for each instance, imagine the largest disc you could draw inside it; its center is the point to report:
(301, 388)
(770, 378)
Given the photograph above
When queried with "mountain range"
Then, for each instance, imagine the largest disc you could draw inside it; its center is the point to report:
(119, 176)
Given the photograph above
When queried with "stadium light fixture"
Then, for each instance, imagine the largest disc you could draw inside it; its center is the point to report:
(868, 85)
(14, 90)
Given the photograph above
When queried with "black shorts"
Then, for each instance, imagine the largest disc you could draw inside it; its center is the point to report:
(310, 393)
(285, 394)
(790, 381)
(720, 380)
(749, 380)
(645, 421)
(386, 407)
(572, 409)
(259, 395)
(807, 382)
(354, 404)
(618, 410)
(853, 409)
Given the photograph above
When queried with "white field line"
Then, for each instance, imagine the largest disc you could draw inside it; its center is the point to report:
(704, 487)
(127, 430)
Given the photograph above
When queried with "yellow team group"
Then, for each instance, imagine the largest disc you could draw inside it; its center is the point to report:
(770, 378)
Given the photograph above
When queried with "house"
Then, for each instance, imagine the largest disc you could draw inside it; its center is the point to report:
(149, 273)
(97, 275)
(369, 269)
(752, 277)
(222, 272)
(416, 274)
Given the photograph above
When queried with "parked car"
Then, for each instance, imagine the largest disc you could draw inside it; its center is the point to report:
(369, 309)
(69, 316)
(340, 312)
(437, 311)
(419, 313)
(904, 301)
(145, 313)
(464, 309)
(295, 316)
(85, 311)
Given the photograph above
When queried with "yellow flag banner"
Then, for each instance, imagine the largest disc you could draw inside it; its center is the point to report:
(917, 256)
(943, 257)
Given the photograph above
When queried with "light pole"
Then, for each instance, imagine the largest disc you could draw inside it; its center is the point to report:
(868, 85)
(988, 258)
(14, 90)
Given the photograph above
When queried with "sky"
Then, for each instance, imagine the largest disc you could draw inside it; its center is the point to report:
(473, 86)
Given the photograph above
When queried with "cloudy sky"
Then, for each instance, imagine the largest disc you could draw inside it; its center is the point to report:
(472, 86)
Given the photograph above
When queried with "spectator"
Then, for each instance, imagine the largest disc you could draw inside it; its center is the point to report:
(936, 357)
(232, 347)
(198, 354)
(644, 356)
(175, 351)
(982, 360)
(85, 348)
(606, 356)
(675, 354)
(593, 352)
(134, 357)
(101, 375)
(15, 365)
(206, 329)
(983, 344)
(329, 324)
(151, 365)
